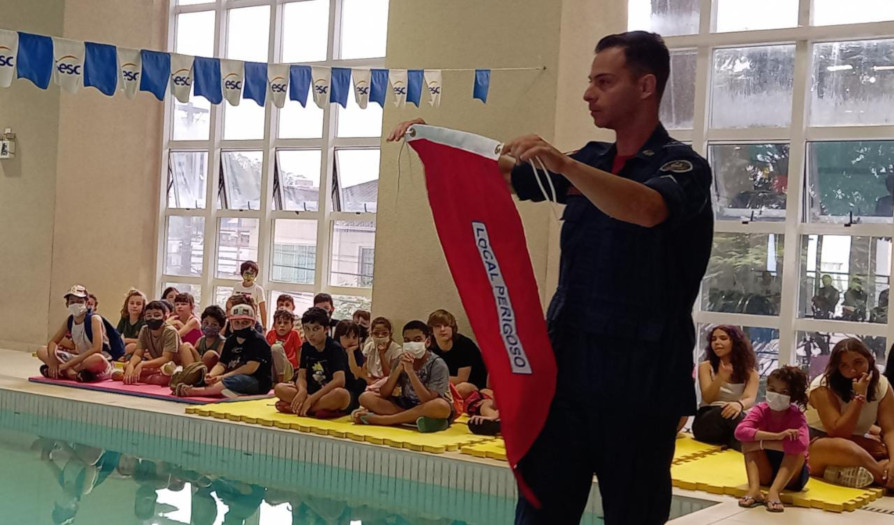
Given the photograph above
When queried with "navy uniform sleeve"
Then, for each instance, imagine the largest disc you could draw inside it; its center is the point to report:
(525, 184)
(685, 185)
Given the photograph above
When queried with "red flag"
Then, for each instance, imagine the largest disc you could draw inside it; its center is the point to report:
(484, 243)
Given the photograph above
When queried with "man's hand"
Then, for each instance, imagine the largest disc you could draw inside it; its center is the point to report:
(529, 146)
(398, 132)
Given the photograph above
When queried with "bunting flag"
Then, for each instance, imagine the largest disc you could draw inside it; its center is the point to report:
(278, 80)
(34, 60)
(299, 83)
(181, 76)
(341, 86)
(206, 79)
(483, 240)
(9, 48)
(156, 69)
(414, 86)
(232, 75)
(322, 77)
(361, 87)
(130, 66)
(482, 84)
(398, 79)
(101, 67)
(378, 86)
(68, 64)
(254, 85)
(433, 83)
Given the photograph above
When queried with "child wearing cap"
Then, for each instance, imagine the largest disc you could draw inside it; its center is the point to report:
(89, 360)
(244, 368)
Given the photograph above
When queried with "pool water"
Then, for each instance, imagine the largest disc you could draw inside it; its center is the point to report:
(49, 479)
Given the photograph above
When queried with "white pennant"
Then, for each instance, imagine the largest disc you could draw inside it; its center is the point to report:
(398, 78)
(321, 78)
(9, 51)
(278, 83)
(433, 86)
(232, 73)
(361, 86)
(68, 64)
(130, 67)
(181, 76)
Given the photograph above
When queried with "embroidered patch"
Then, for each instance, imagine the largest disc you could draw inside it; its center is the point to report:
(677, 166)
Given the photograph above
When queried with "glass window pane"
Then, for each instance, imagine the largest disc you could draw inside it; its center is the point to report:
(850, 181)
(194, 2)
(187, 171)
(752, 87)
(346, 305)
(299, 180)
(184, 245)
(221, 294)
(305, 35)
(765, 342)
(678, 102)
(750, 181)
(814, 348)
(750, 15)
(294, 251)
(356, 122)
(248, 33)
(364, 28)
(744, 274)
(358, 180)
(192, 121)
(845, 278)
(237, 242)
(831, 12)
(665, 17)
(852, 83)
(353, 243)
(195, 34)
(241, 176)
(243, 122)
(296, 122)
(194, 289)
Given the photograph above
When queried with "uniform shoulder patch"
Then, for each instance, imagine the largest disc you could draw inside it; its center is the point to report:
(677, 166)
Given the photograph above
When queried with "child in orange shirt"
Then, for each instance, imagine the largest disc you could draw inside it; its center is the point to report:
(285, 345)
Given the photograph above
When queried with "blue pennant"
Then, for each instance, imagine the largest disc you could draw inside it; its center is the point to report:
(378, 86)
(254, 85)
(299, 83)
(156, 72)
(101, 67)
(414, 85)
(35, 59)
(341, 86)
(482, 84)
(206, 79)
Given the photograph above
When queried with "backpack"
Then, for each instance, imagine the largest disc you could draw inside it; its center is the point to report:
(116, 342)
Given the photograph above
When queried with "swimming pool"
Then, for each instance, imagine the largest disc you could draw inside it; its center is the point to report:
(65, 460)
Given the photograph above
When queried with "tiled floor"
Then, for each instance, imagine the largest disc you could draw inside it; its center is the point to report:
(18, 366)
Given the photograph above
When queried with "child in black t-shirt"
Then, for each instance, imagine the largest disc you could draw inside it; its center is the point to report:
(347, 333)
(245, 366)
(463, 357)
(320, 389)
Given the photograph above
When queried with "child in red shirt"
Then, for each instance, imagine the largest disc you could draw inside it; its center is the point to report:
(285, 345)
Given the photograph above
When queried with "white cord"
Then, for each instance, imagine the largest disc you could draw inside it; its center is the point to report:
(549, 180)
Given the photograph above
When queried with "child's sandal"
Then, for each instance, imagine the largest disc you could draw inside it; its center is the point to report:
(775, 506)
(749, 502)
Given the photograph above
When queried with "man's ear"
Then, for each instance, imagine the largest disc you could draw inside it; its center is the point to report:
(648, 85)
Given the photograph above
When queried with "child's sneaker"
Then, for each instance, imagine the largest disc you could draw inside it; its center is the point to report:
(854, 477)
(430, 424)
(169, 368)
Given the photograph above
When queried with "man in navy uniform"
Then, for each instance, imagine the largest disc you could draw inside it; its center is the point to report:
(635, 243)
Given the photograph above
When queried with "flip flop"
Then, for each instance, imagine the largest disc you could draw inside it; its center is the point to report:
(854, 477)
(355, 416)
(485, 427)
(748, 502)
(45, 371)
(775, 506)
(427, 425)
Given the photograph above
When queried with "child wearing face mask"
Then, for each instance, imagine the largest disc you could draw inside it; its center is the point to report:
(775, 439)
(249, 272)
(207, 349)
(157, 345)
(380, 350)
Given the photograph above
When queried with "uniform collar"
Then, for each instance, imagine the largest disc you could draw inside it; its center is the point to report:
(652, 146)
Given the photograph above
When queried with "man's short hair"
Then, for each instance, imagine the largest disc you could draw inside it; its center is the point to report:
(645, 53)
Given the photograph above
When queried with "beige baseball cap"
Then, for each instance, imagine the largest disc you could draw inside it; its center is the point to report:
(242, 311)
(77, 291)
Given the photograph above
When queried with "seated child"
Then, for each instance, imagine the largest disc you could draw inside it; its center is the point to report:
(347, 333)
(131, 321)
(208, 347)
(362, 317)
(462, 355)
(319, 390)
(417, 390)
(775, 439)
(380, 350)
(185, 320)
(288, 302)
(245, 367)
(157, 345)
(92, 303)
(232, 301)
(484, 416)
(170, 294)
(90, 358)
(285, 344)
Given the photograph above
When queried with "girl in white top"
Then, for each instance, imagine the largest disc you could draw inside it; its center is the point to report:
(850, 398)
(380, 350)
(728, 382)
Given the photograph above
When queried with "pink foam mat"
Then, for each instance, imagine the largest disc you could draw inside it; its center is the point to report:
(139, 390)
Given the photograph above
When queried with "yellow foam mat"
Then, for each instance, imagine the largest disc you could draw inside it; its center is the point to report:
(724, 473)
(262, 412)
(687, 448)
(494, 449)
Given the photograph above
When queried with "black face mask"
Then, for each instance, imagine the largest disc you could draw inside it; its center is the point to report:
(155, 324)
(244, 332)
(364, 332)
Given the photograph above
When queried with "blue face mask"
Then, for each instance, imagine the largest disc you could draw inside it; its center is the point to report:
(211, 331)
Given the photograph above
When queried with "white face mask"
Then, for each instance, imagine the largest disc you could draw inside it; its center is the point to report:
(380, 341)
(77, 309)
(778, 402)
(417, 350)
